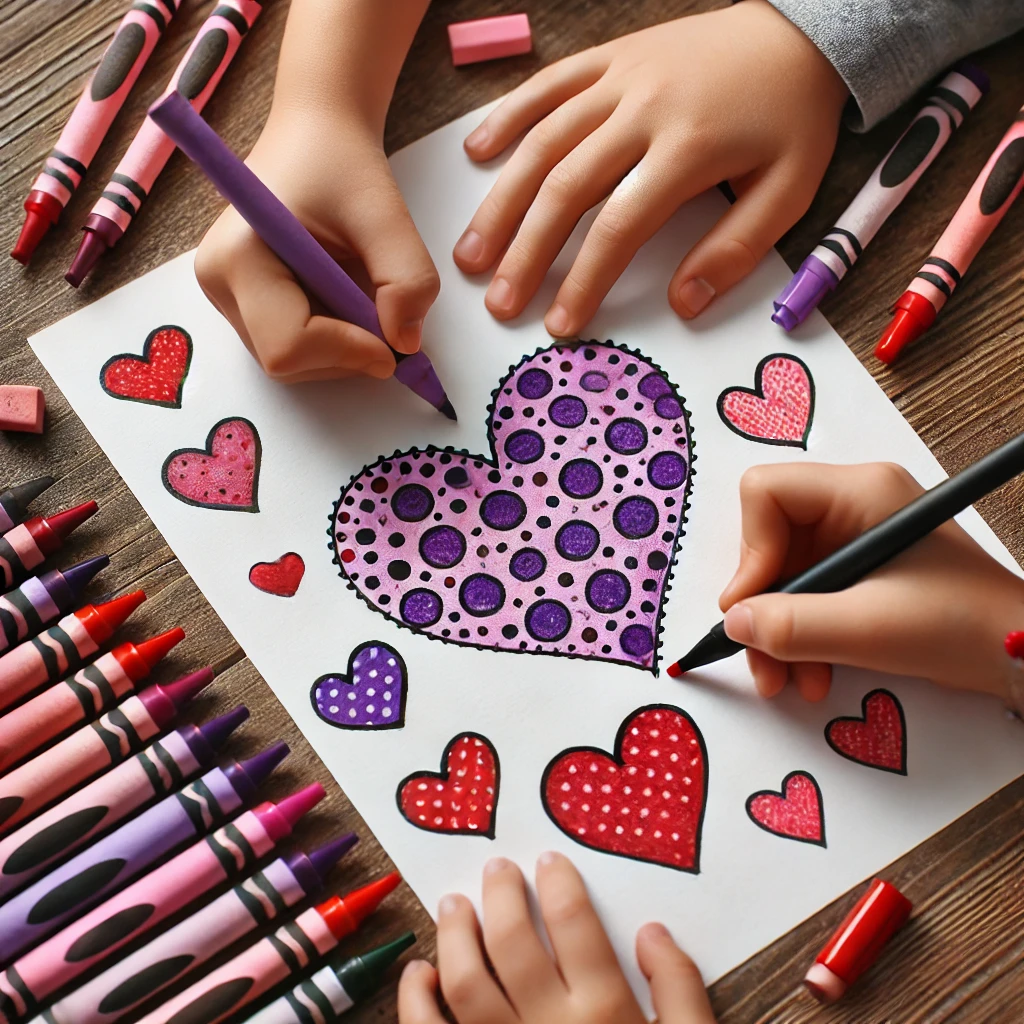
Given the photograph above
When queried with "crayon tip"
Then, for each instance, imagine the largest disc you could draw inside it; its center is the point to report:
(182, 690)
(24, 494)
(113, 613)
(217, 730)
(157, 648)
(380, 959)
(904, 329)
(977, 75)
(79, 576)
(91, 248)
(62, 523)
(295, 805)
(447, 409)
(32, 232)
(258, 767)
(323, 858)
(361, 903)
(674, 670)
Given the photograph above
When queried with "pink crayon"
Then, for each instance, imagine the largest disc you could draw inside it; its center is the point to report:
(196, 77)
(106, 91)
(31, 542)
(116, 795)
(144, 904)
(92, 749)
(90, 691)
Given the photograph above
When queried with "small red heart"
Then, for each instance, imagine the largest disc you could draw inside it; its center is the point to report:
(460, 800)
(645, 801)
(780, 407)
(157, 378)
(878, 739)
(795, 812)
(225, 475)
(281, 577)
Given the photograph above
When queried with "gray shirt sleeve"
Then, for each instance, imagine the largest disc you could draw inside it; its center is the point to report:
(886, 50)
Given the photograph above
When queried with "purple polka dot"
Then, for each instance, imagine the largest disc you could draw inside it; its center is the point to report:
(481, 595)
(667, 470)
(568, 411)
(636, 641)
(608, 591)
(412, 503)
(524, 446)
(534, 383)
(581, 478)
(442, 547)
(654, 386)
(668, 407)
(502, 510)
(421, 608)
(527, 565)
(635, 517)
(577, 540)
(594, 381)
(547, 620)
(626, 436)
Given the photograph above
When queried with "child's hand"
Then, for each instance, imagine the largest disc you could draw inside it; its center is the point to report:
(940, 610)
(654, 118)
(580, 983)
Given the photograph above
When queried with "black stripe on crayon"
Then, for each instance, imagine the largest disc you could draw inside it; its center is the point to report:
(955, 100)
(152, 772)
(284, 951)
(945, 265)
(255, 908)
(108, 739)
(951, 117)
(262, 882)
(129, 183)
(850, 236)
(304, 941)
(317, 996)
(49, 656)
(235, 835)
(8, 1007)
(158, 18)
(302, 1014)
(9, 625)
(173, 769)
(939, 282)
(120, 719)
(83, 695)
(20, 600)
(230, 14)
(60, 176)
(19, 986)
(10, 556)
(838, 250)
(76, 165)
(119, 201)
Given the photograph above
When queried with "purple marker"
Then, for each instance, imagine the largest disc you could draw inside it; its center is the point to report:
(41, 600)
(14, 501)
(111, 863)
(283, 233)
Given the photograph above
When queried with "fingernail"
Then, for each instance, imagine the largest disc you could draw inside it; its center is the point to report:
(548, 858)
(409, 334)
(448, 905)
(494, 865)
(694, 295)
(414, 967)
(655, 931)
(470, 247)
(557, 320)
(478, 137)
(499, 295)
(739, 624)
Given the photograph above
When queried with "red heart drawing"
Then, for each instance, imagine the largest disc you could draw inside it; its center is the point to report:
(795, 812)
(780, 407)
(462, 798)
(157, 378)
(645, 801)
(225, 475)
(281, 577)
(878, 739)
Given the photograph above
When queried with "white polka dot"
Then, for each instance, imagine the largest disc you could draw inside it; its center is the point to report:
(387, 696)
(386, 713)
(371, 692)
(334, 692)
(351, 712)
(333, 709)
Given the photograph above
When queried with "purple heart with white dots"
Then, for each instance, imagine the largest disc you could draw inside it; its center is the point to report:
(561, 541)
(371, 695)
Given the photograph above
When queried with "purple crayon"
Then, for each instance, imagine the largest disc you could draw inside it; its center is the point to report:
(249, 905)
(948, 103)
(134, 911)
(112, 862)
(95, 809)
(41, 600)
(14, 501)
(286, 236)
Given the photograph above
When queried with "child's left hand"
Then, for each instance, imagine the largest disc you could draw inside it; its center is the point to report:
(581, 982)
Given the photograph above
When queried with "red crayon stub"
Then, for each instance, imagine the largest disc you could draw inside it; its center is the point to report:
(855, 946)
(22, 408)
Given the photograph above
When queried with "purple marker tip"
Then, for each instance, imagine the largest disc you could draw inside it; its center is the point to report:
(974, 73)
(79, 576)
(183, 690)
(217, 730)
(809, 285)
(262, 764)
(323, 858)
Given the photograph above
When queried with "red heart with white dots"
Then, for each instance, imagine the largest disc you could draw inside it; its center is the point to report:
(462, 798)
(779, 408)
(156, 378)
(646, 800)
(878, 739)
(795, 812)
(281, 577)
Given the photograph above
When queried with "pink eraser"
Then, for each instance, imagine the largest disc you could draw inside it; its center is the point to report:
(487, 38)
(21, 408)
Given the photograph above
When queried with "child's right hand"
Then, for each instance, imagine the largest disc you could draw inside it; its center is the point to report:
(939, 611)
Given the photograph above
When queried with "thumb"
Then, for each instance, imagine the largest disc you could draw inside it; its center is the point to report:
(677, 989)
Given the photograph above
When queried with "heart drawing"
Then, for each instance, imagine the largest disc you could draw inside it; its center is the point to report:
(795, 812)
(462, 798)
(646, 800)
(780, 407)
(225, 475)
(878, 739)
(371, 694)
(561, 541)
(155, 378)
(281, 577)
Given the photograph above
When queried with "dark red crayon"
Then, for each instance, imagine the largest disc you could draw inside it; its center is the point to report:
(27, 545)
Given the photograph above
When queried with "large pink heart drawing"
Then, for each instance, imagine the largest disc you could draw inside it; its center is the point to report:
(225, 475)
(561, 541)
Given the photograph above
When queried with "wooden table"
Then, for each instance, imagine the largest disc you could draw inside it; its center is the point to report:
(962, 957)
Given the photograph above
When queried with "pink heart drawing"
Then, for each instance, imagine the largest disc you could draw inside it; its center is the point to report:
(225, 475)
(780, 407)
(561, 541)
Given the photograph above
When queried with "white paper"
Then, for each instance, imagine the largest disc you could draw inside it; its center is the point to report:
(752, 886)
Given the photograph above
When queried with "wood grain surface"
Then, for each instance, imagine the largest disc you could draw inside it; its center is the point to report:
(962, 957)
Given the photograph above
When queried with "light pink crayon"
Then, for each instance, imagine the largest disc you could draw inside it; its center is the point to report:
(196, 77)
(106, 91)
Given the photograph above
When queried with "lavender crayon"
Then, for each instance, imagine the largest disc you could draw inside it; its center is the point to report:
(41, 600)
(88, 813)
(29, 543)
(15, 500)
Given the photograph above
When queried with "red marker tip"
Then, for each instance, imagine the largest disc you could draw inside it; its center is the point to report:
(157, 648)
(361, 903)
(182, 690)
(674, 670)
(62, 523)
(113, 613)
(297, 804)
(41, 212)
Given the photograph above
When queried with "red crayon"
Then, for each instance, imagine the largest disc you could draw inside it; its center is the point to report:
(855, 946)
(62, 648)
(88, 693)
(29, 544)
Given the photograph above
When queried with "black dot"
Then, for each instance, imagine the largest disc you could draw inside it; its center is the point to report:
(528, 411)
(668, 537)
(539, 591)
(657, 560)
(552, 501)
(396, 540)
(517, 602)
(458, 506)
(543, 522)
(606, 649)
(386, 467)
(367, 505)
(506, 412)
(608, 552)
(463, 634)
(510, 632)
(454, 616)
(611, 625)
(446, 632)
(630, 370)
(427, 469)
(384, 599)
(614, 359)
(589, 353)
(517, 481)
(559, 439)
(445, 459)
(481, 630)
(631, 562)
(494, 476)
(650, 585)
(372, 583)
(456, 477)
(370, 557)
(365, 536)
(621, 394)
(565, 579)
(425, 576)
(399, 569)
(589, 634)
(621, 471)
(647, 608)
(404, 467)
(501, 548)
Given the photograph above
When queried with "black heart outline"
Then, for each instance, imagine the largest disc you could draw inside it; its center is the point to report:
(781, 794)
(902, 770)
(346, 679)
(758, 392)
